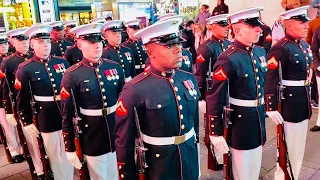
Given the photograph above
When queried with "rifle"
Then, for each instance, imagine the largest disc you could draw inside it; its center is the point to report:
(4, 142)
(140, 150)
(23, 141)
(283, 158)
(84, 172)
(43, 155)
(227, 162)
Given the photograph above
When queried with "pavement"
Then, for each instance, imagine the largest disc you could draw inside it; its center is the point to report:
(310, 168)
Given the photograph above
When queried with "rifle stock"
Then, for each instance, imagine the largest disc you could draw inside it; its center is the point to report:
(23, 142)
(84, 171)
(43, 155)
(4, 142)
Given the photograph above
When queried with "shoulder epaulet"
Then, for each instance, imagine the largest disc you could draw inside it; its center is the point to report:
(70, 47)
(125, 46)
(231, 49)
(282, 41)
(8, 57)
(73, 67)
(25, 62)
(124, 43)
(140, 77)
(59, 57)
(109, 61)
(183, 71)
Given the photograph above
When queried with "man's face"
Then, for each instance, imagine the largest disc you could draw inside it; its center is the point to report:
(131, 33)
(298, 29)
(21, 46)
(203, 9)
(114, 38)
(90, 50)
(166, 56)
(219, 31)
(247, 33)
(4, 47)
(57, 35)
(41, 47)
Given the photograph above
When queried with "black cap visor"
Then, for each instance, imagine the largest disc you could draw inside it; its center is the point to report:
(3, 41)
(114, 29)
(252, 22)
(135, 27)
(21, 37)
(58, 28)
(41, 36)
(167, 39)
(71, 26)
(222, 23)
(301, 17)
(95, 37)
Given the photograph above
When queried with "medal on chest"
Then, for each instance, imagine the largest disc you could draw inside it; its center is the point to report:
(111, 74)
(190, 87)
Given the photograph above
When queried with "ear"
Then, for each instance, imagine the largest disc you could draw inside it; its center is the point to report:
(79, 44)
(31, 43)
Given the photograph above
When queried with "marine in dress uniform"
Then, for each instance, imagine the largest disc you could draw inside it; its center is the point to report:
(315, 45)
(9, 67)
(101, 20)
(44, 73)
(96, 84)
(186, 54)
(186, 60)
(210, 50)
(9, 130)
(69, 25)
(167, 114)
(117, 52)
(138, 49)
(291, 58)
(58, 44)
(238, 81)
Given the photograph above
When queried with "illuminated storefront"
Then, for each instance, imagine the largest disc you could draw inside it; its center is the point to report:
(18, 13)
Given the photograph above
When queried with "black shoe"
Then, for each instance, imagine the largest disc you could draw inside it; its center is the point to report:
(41, 177)
(218, 167)
(314, 105)
(17, 159)
(315, 128)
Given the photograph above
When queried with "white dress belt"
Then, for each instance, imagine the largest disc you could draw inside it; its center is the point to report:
(162, 141)
(98, 112)
(47, 98)
(140, 66)
(246, 103)
(295, 83)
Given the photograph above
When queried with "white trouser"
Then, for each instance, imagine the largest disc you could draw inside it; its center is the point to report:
(318, 82)
(33, 147)
(11, 135)
(246, 164)
(103, 167)
(54, 146)
(296, 135)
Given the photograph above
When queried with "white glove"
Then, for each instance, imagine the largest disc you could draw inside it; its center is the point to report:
(220, 144)
(32, 130)
(74, 160)
(318, 68)
(198, 148)
(202, 106)
(275, 117)
(10, 118)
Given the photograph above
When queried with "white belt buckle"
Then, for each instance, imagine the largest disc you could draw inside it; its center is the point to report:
(179, 139)
(258, 102)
